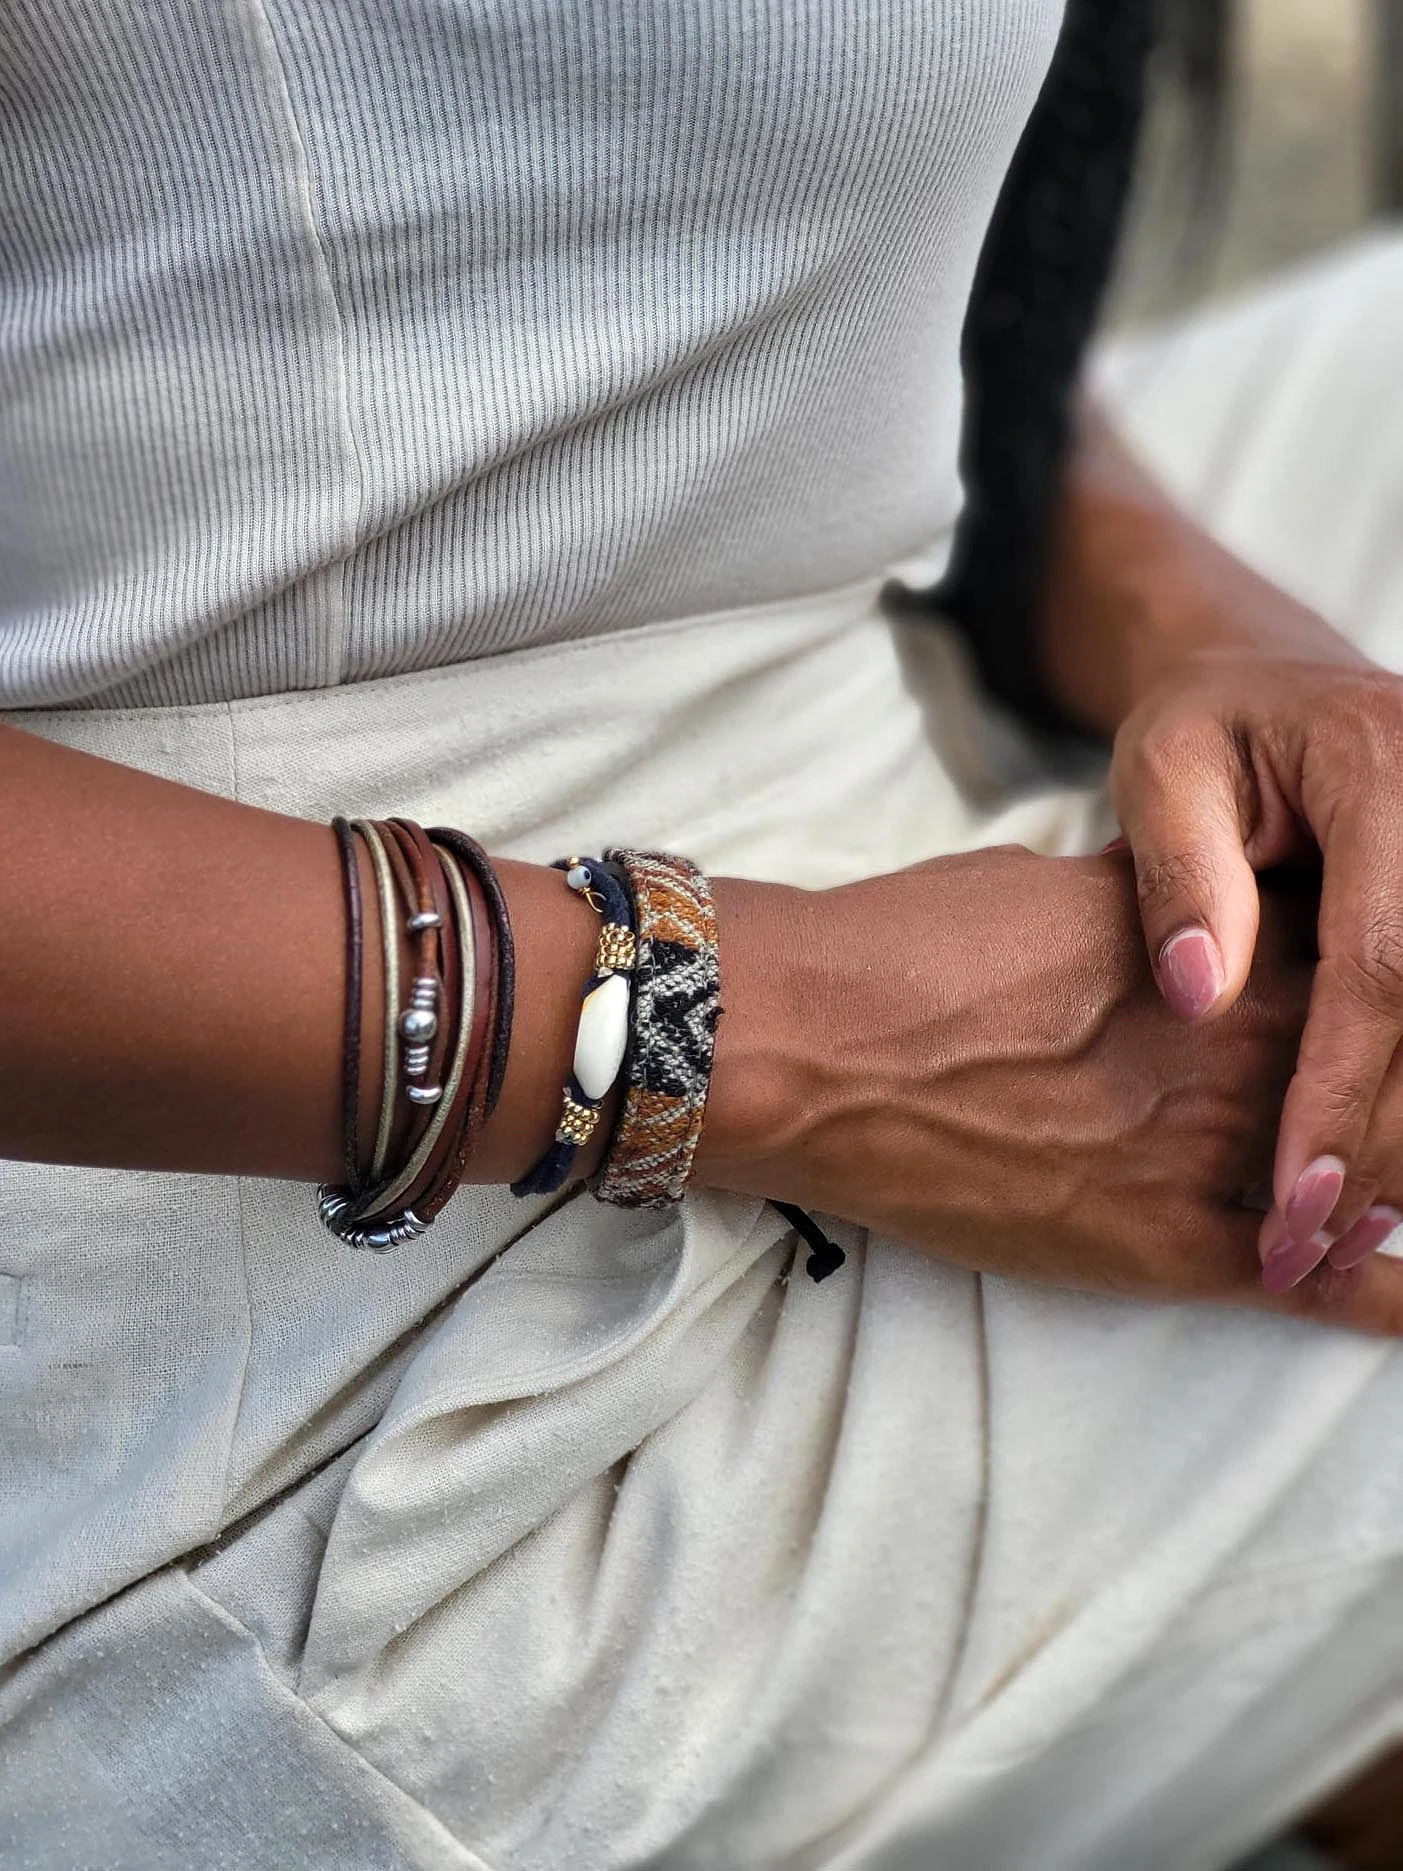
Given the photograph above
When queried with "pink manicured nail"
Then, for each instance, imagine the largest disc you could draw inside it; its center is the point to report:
(1366, 1237)
(1285, 1263)
(1191, 970)
(1116, 846)
(1312, 1201)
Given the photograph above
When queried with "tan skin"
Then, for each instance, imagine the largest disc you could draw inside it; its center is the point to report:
(148, 1017)
(1247, 734)
(1003, 1086)
(174, 980)
(1014, 1096)
(1363, 1826)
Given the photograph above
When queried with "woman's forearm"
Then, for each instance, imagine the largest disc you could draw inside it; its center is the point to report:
(172, 980)
(1136, 587)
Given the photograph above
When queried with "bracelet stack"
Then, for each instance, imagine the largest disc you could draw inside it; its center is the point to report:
(602, 1038)
(659, 928)
(446, 1032)
(649, 1013)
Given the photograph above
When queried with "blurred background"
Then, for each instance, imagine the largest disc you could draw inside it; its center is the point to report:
(1314, 153)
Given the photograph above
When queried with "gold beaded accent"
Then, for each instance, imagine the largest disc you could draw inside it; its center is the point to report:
(617, 950)
(577, 1122)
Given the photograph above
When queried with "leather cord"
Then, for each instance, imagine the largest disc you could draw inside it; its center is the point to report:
(421, 884)
(444, 886)
(389, 1073)
(471, 854)
(436, 955)
(468, 984)
(355, 993)
(470, 1115)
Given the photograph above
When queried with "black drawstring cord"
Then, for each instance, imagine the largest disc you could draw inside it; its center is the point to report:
(825, 1256)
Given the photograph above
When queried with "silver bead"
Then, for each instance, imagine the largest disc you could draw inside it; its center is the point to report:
(418, 1024)
(331, 1203)
(375, 1237)
(381, 1237)
(423, 1094)
(426, 919)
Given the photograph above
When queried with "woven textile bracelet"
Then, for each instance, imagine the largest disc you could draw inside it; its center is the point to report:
(602, 1037)
(677, 1004)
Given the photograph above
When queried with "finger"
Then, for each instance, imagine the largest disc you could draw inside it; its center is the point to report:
(1288, 1256)
(1288, 1259)
(1361, 1242)
(1179, 808)
(1352, 1028)
(1375, 1179)
(1368, 1298)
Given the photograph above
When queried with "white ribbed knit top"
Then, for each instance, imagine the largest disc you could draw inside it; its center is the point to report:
(346, 337)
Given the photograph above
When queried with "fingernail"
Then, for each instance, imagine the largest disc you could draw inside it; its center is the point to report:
(1116, 845)
(1366, 1237)
(1285, 1263)
(1191, 970)
(1312, 1201)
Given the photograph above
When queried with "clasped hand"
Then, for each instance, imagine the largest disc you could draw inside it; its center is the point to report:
(1240, 762)
(973, 1056)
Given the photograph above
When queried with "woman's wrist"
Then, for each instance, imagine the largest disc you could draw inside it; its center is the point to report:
(1138, 593)
(766, 1081)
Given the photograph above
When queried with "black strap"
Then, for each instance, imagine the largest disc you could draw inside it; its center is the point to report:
(825, 1256)
(1042, 275)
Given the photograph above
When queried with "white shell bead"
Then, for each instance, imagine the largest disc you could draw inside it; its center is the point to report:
(603, 1036)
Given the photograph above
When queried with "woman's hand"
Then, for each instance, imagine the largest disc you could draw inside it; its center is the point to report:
(971, 1056)
(1247, 735)
(1240, 762)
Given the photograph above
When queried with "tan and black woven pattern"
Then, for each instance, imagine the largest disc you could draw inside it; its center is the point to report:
(676, 1007)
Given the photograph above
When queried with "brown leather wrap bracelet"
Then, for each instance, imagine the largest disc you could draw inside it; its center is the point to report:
(444, 886)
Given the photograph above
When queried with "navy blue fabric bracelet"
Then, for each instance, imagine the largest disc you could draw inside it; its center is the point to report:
(606, 1016)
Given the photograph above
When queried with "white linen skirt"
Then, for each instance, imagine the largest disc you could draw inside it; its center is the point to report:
(567, 1539)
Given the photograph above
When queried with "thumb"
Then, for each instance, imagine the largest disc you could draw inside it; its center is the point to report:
(1198, 893)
